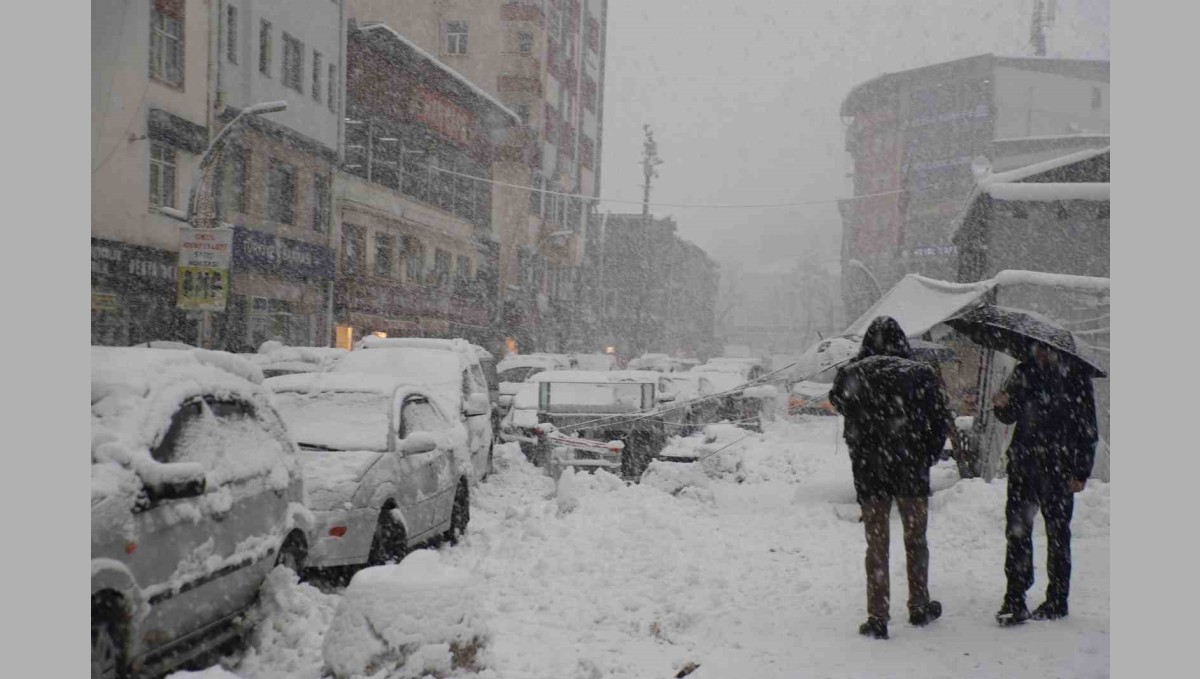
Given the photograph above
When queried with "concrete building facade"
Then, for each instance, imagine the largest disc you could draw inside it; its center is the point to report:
(544, 59)
(150, 121)
(914, 136)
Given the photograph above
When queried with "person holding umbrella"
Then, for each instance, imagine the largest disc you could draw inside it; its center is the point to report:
(896, 424)
(1051, 400)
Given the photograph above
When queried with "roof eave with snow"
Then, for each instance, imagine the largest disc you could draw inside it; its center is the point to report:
(379, 26)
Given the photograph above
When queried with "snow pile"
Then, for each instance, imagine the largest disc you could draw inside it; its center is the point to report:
(681, 479)
(290, 621)
(418, 617)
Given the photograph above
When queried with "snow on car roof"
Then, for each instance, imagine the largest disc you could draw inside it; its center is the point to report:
(135, 392)
(437, 369)
(596, 376)
(337, 381)
(275, 352)
(532, 361)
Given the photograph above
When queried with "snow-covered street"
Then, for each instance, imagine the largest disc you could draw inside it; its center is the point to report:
(747, 571)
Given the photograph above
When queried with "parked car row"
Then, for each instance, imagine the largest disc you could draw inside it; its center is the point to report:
(206, 475)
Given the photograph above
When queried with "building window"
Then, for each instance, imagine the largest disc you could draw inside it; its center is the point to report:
(323, 196)
(332, 82)
(166, 41)
(383, 254)
(231, 34)
(162, 175)
(232, 183)
(264, 48)
(1096, 97)
(414, 258)
(441, 268)
(525, 42)
(293, 63)
(456, 37)
(354, 251)
(415, 179)
(281, 192)
(316, 79)
(464, 269)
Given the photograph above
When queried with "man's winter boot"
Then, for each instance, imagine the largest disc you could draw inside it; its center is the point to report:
(1013, 612)
(874, 627)
(930, 612)
(1050, 610)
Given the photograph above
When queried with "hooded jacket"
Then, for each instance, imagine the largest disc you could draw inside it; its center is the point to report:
(896, 414)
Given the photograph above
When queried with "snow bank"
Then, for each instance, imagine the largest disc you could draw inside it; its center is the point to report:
(419, 616)
(290, 621)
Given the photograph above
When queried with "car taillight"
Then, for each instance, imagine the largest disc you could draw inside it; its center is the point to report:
(337, 531)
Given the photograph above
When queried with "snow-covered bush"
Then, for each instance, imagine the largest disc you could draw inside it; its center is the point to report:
(415, 618)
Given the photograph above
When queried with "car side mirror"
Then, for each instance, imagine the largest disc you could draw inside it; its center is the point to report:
(477, 404)
(666, 397)
(418, 442)
(174, 481)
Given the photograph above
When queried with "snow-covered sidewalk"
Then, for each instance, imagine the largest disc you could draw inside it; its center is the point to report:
(747, 571)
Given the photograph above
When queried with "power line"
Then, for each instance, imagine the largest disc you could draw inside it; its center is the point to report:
(638, 202)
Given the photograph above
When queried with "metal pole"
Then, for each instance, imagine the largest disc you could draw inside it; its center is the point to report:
(197, 181)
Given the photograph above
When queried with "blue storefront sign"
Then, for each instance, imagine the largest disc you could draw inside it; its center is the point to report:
(273, 255)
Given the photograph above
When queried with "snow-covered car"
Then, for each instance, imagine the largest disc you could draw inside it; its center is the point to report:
(196, 491)
(810, 397)
(385, 464)
(609, 404)
(748, 368)
(657, 362)
(448, 367)
(517, 368)
(594, 362)
(275, 358)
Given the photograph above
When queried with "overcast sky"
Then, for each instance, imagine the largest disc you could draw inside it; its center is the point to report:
(743, 98)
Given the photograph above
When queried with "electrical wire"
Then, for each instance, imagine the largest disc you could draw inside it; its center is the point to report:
(639, 202)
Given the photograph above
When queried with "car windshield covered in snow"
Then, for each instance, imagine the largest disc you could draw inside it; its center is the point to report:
(339, 420)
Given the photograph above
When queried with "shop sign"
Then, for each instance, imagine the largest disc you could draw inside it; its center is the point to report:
(202, 283)
(105, 301)
(270, 254)
(127, 262)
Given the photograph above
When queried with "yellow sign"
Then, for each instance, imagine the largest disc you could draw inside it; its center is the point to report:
(202, 288)
(104, 301)
(202, 280)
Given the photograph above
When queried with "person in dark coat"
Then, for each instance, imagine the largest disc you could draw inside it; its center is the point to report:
(896, 425)
(1051, 401)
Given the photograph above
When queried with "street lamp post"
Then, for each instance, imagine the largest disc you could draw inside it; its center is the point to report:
(197, 181)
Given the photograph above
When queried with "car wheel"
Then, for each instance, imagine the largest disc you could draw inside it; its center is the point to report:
(107, 658)
(293, 554)
(390, 544)
(460, 516)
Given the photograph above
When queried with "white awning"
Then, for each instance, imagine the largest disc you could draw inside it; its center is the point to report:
(919, 303)
(1048, 191)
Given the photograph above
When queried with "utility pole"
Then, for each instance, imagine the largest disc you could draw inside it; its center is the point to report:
(650, 160)
(1043, 18)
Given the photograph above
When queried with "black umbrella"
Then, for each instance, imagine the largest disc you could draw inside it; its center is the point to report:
(1015, 331)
